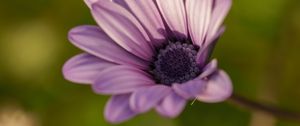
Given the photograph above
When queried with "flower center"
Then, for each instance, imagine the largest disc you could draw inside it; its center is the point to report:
(176, 63)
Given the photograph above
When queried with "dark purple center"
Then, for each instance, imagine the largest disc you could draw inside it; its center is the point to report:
(176, 63)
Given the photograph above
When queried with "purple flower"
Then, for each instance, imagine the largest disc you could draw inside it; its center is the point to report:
(150, 54)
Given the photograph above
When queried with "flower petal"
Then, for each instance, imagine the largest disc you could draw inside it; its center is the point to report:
(205, 52)
(219, 88)
(219, 13)
(146, 12)
(94, 41)
(90, 2)
(120, 2)
(173, 12)
(198, 16)
(171, 106)
(148, 15)
(144, 99)
(209, 68)
(117, 109)
(196, 86)
(121, 79)
(190, 89)
(84, 68)
(123, 28)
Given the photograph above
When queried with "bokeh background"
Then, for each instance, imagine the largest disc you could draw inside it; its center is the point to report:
(260, 50)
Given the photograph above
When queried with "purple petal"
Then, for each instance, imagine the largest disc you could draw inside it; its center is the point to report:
(118, 110)
(123, 28)
(219, 13)
(218, 89)
(144, 99)
(94, 41)
(84, 68)
(205, 52)
(171, 106)
(121, 79)
(190, 89)
(174, 14)
(196, 86)
(120, 2)
(209, 68)
(148, 14)
(90, 2)
(198, 16)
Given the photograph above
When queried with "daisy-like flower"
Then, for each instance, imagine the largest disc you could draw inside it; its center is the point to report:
(150, 54)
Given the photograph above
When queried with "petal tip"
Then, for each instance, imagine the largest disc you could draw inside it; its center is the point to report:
(90, 2)
(219, 88)
(66, 68)
(77, 30)
(117, 109)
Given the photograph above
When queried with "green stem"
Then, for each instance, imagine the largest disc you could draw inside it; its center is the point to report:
(272, 110)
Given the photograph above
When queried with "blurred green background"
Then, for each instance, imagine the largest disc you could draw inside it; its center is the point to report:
(260, 50)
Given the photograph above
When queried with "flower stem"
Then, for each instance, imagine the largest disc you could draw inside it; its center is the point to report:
(272, 110)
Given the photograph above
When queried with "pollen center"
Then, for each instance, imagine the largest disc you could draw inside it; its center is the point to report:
(176, 63)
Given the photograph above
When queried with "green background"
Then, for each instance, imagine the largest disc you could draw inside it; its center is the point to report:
(260, 50)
